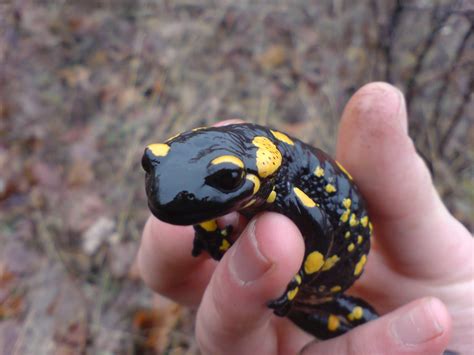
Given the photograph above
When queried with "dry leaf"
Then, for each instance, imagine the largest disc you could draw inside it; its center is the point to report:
(273, 57)
(80, 173)
(97, 234)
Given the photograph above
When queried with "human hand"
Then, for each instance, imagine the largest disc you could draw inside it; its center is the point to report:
(419, 252)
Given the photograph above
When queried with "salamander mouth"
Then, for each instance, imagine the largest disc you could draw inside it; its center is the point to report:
(183, 218)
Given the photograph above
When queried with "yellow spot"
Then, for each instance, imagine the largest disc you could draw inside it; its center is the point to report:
(292, 293)
(319, 172)
(360, 265)
(357, 313)
(347, 235)
(298, 279)
(173, 137)
(353, 222)
(330, 188)
(305, 199)
(256, 182)
(224, 232)
(314, 261)
(209, 226)
(330, 262)
(224, 245)
(345, 216)
(344, 170)
(347, 203)
(282, 137)
(228, 159)
(360, 239)
(333, 322)
(336, 288)
(371, 227)
(198, 129)
(272, 196)
(268, 156)
(250, 203)
(159, 149)
(350, 247)
(364, 221)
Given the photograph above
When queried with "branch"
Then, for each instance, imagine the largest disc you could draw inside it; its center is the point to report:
(457, 116)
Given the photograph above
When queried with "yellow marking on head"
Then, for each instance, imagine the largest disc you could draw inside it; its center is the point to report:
(347, 203)
(360, 239)
(305, 199)
(209, 226)
(268, 156)
(319, 172)
(282, 137)
(314, 261)
(250, 203)
(225, 245)
(371, 227)
(364, 221)
(350, 247)
(360, 265)
(298, 279)
(173, 137)
(256, 182)
(347, 235)
(271, 197)
(330, 188)
(330, 262)
(292, 293)
(345, 216)
(336, 288)
(344, 170)
(228, 159)
(353, 221)
(333, 323)
(159, 149)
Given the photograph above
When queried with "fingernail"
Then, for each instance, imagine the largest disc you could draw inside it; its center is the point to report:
(247, 262)
(420, 324)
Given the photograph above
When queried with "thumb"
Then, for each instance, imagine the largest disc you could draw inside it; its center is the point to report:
(421, 327)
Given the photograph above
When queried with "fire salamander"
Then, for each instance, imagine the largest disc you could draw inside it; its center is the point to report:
(200, 175)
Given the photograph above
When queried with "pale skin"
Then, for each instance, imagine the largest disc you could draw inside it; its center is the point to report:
(419, 274)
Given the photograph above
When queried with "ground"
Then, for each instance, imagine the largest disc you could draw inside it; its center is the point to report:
(84, 86)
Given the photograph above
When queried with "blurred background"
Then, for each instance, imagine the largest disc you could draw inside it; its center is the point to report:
(85, 85)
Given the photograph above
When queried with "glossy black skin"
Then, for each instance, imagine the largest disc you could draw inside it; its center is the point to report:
(178, 193)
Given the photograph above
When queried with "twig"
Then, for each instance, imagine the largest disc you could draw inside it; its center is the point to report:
(388, 43)
(457, 116)
(423, 52)
(447, 75)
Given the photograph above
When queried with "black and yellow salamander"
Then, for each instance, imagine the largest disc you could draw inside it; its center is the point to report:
(198, 176)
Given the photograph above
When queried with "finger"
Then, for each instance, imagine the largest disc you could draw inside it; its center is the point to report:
(228, 122)
(166, 264)
(233, 317)
(421, 327)
(375, 147)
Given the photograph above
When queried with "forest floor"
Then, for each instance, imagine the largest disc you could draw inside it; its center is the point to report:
(84, 86)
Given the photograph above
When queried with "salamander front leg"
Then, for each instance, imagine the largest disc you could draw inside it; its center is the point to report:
(209, 237)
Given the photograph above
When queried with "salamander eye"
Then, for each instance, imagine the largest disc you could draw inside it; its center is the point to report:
(226, 180)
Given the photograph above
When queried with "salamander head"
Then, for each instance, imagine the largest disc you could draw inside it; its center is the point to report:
(197, 176)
